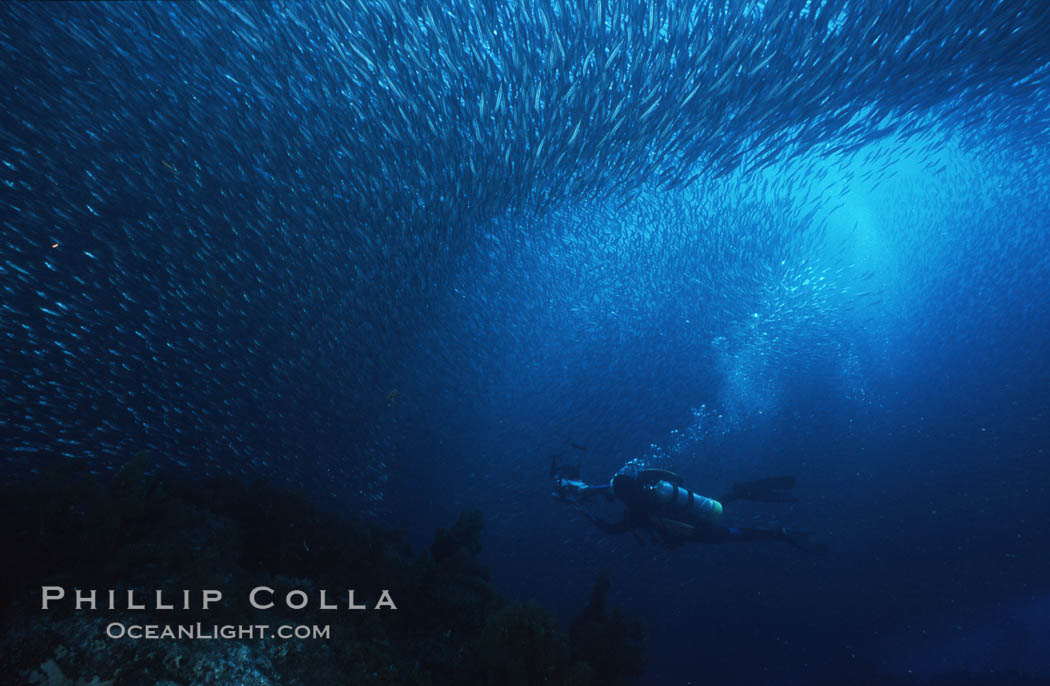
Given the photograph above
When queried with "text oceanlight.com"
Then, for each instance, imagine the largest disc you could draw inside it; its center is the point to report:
(200, 631)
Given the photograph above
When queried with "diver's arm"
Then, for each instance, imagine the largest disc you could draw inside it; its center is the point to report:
(574, 490)
(588, 491)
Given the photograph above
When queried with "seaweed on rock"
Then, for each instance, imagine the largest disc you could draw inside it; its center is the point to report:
(141, 530)
(612, 643)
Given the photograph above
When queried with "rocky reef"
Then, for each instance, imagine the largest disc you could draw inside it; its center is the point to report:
(146, 532)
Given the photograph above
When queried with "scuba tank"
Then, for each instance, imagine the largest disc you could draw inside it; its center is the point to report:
(661, 490)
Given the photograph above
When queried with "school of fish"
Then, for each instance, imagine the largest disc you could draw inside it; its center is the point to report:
(226, 227)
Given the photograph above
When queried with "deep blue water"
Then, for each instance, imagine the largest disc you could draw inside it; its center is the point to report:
(375, 253)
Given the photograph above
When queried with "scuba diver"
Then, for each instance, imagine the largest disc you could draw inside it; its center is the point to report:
(656, 501)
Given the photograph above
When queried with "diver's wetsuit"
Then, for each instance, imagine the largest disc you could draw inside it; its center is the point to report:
(655, 501)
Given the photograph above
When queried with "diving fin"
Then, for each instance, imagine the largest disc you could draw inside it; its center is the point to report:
(771, 490)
